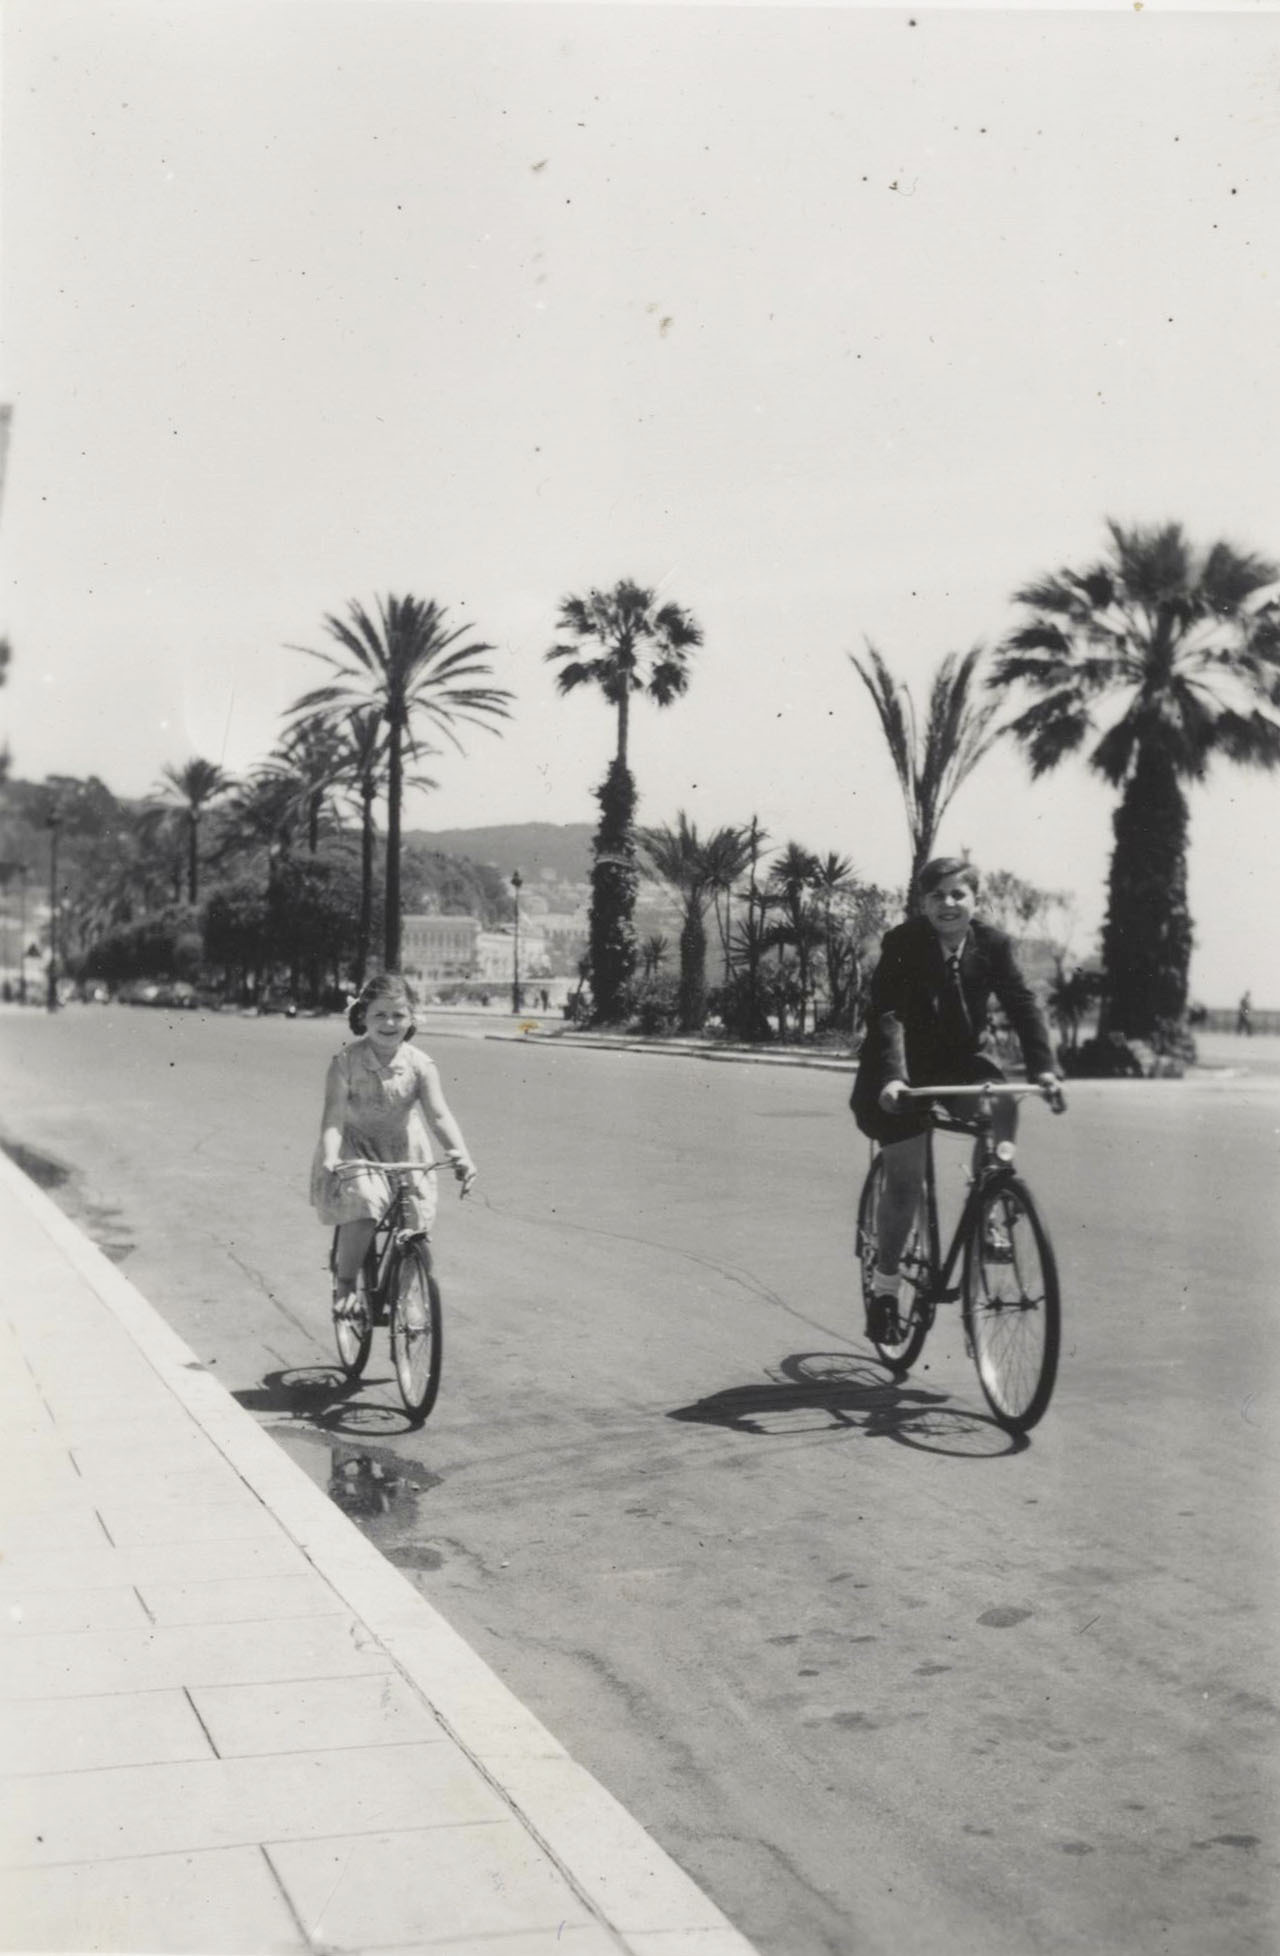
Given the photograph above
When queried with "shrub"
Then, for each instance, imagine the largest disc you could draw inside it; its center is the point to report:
(655, 1004)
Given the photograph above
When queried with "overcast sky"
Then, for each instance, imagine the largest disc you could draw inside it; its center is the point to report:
(831, 323)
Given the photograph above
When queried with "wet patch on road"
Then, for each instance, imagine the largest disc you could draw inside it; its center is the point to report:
(102, 1222)
(44, 1171)
(1003, 1617)
(380, 1490)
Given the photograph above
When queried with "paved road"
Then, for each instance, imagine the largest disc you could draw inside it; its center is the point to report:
(879, 1682)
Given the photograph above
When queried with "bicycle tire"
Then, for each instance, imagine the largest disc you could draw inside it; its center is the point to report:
(417, 1331)
(352, 1336)
(918, 1315)
(1012, 1305)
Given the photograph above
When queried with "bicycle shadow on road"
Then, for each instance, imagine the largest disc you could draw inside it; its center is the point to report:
(322, 1396)
(839, 1391)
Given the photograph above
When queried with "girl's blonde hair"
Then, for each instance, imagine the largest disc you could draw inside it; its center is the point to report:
(385, 984)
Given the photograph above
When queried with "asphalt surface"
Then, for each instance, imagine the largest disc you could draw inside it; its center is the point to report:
(878, 1680)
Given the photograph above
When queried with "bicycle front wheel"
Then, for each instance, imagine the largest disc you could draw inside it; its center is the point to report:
(914, 1315)
(1012, 1310)
(417, 1331)
(353, 1335)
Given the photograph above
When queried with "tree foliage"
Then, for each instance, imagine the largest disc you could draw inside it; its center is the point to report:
(1153, 660)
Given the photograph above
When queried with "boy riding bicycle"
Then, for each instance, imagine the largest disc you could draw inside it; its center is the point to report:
(928, 1021)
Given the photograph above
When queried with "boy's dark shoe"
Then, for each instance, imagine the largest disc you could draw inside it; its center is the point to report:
(882, 1320)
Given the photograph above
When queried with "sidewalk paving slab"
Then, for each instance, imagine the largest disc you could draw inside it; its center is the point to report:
(226, 1722)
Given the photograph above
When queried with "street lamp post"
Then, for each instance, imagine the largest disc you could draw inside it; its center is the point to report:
(517, 884)
(51, 1000)
(22, 933)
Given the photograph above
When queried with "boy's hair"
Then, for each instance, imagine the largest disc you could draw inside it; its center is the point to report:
(385, 984)
(942, 868)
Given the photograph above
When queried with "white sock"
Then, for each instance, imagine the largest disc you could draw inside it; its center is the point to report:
(883, 1285)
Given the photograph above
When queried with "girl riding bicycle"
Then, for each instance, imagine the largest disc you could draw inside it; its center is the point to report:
(382, 1102)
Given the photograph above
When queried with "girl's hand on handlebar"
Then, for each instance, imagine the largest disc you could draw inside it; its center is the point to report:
(464, 1170)
(889, 1095)
(1051, 1087)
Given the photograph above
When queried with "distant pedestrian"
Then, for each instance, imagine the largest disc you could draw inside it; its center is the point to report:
(1244, 1015)
(382, 1102)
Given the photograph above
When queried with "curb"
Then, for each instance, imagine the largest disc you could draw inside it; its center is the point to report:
(621, 1875)
(677, 1049)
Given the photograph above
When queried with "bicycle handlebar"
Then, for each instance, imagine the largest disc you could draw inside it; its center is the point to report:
(991, 1090)
(392, 1167)
(988, 1088)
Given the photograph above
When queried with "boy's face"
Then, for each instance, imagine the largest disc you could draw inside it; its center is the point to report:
(949, 906)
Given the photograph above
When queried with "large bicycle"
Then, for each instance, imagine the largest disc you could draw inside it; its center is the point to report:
(396, 1286)
(1008, 1286)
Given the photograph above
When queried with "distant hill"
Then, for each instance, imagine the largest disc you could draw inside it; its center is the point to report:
(564, 848)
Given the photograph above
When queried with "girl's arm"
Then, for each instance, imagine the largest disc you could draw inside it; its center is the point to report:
(332, 1121)
(442, 1123)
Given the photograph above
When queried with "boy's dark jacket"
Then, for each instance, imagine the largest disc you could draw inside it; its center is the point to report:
(906, 1037)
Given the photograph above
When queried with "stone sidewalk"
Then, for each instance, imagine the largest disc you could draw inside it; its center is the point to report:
(226, 1723)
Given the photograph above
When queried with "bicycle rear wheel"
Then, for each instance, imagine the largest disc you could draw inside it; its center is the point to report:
(417, 1331)
(1012, 1308)
(353, 1335)
(914, 1316)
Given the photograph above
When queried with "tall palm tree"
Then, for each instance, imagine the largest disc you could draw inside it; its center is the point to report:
(624, 642)
(1159, 656)
(410, 665)
(679, 858)
(933, 761)
(363, 770)
(195, 784)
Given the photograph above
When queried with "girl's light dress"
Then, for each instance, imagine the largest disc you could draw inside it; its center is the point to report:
(385, 1122)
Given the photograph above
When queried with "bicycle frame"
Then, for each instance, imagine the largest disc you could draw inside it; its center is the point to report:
(389, 1228)
(989, 1171)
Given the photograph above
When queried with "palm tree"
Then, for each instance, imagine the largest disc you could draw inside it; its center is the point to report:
(194, 785)
(624, 642)
(653, 954)
(408, 664)
(833, 879)
(679, 858)
(310, 755)
(728, 853)
(933, 762)
(1159, 656)
(792, 878)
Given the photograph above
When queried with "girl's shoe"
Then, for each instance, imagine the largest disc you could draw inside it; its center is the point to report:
(349, 1306)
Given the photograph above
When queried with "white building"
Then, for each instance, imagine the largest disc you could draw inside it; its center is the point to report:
(435, 949)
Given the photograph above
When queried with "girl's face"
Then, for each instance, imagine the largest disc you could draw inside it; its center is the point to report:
(949, 906)
(387, 1021)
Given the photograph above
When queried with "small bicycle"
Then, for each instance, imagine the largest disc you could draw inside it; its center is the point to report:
(396, 1287)
(1008, 1293)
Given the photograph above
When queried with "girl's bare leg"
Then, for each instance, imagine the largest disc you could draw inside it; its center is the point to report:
(354, 1239)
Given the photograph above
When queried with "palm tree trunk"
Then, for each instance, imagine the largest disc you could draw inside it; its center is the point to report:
(193, 857)
(395, 790)
(693, 966)
(624, 723)
(365, 932)
(1147, 936)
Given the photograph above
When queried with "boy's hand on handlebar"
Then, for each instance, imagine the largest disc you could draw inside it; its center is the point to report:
(889, 1095)
(1051, 1087)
